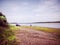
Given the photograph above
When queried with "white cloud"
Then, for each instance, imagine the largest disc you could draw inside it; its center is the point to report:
(48, 11)
(31, 12)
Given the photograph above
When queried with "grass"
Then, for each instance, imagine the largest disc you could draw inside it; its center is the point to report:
(52, 30)
(11, 38)
(8, 34)
(45, 29)
(14, 27)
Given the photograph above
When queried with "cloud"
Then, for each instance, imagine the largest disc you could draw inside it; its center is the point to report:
(31, 11)
(48, 11)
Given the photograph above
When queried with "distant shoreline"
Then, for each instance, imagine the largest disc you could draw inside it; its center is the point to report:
(34, 23)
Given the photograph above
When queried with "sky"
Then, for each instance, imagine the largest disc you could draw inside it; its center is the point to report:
(22, 11)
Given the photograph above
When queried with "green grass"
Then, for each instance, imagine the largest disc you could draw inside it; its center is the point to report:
(11, 38)
(52, 30)
(45, 29)
(8, 33)
(14, 27)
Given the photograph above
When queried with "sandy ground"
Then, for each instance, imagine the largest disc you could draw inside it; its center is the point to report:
(28, 36)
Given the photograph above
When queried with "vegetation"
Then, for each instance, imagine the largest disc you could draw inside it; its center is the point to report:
(45, 29)
(13, 28)
(54, 31)
(6, 34)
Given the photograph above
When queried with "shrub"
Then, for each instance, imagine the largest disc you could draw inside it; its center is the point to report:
(6, 34)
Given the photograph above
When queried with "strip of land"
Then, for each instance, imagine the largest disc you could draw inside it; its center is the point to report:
(29, 36)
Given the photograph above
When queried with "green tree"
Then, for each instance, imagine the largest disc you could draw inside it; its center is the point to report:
(6, 34)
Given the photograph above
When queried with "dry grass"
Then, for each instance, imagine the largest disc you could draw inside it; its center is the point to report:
(46, 29)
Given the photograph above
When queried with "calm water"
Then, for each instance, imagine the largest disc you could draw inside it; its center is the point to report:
(52, 25)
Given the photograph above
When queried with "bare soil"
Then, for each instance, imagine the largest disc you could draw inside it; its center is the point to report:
(27, 36)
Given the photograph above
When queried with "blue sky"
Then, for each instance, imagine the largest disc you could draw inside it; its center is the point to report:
(30, 10)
